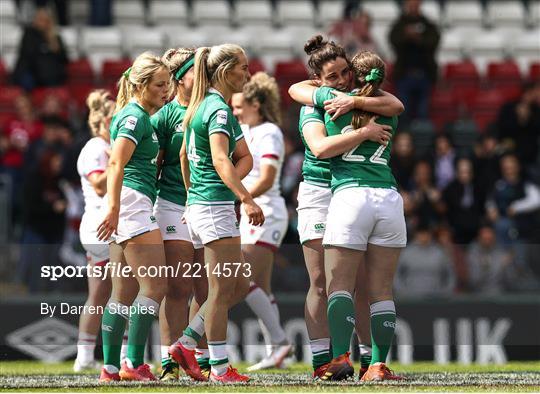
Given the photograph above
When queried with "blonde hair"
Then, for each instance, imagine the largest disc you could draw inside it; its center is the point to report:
(264, 89)
(363, 63)
(211, 67)
(137, 77)
(173, 59)
(101, 106)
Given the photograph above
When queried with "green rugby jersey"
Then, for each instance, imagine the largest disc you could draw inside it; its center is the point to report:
(314, 171)
(167, 123)
(212, 116)
(367, 164)
(133, 122)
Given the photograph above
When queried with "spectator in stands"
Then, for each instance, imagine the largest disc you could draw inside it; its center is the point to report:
(518, 125)
(425, 198)
(487, 263)
(403, 159)
(425, 268)
(486, 162)
(60, 6)
(463, 203)
(512, 208)
(444, 161)
(353, 32)
(19, 132)
(56, 135)
(42, 57)
(101, 13)
(414, 39)
(44, 220)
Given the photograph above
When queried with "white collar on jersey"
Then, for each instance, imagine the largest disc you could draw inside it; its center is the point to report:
(214, 90)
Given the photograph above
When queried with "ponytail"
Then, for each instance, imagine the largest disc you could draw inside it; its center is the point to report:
(200, 86)
(125, 92)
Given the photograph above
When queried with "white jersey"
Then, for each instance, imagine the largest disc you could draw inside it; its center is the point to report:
(266, 145)
(92, 159)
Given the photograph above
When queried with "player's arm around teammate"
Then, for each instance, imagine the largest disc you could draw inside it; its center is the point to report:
(373, 228)
(131, 185)
(211, 137)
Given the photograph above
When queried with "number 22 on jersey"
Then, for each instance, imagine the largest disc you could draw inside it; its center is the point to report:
(375, 157)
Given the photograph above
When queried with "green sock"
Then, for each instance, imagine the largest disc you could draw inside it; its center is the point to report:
(383, 325)
(168, 361)
(140, 321)
(204, 363)
(365, 355)
(340, 321)
(113, 324)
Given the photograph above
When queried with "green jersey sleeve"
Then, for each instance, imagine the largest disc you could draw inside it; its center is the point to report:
(311, 114)
(130, 127)
(320, 95)
(238, 133)
(221, 121)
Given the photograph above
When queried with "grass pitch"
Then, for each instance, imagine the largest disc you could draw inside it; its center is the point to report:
(514, 377)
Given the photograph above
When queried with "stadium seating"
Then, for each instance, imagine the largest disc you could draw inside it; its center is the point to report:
(80, 72)
(506, 13)
(129, 12)
(113, 69)
(463, 133)
(166, 13)
(186, 37)
(139, 39)
(211, 12)
(70, 38)
(423, 134)
(3, 74)
(383, 12)
(296, 13)
(101, 43)
(8, 95)
(534, 71)
(11, 36)
(79, 93)
(8, 16)
(40, 94)
(443, 108)
(287, 73)
(486, 107)
(255, 65)
(506, 77)
(463, 13)
(330, 11)
(432, 10)
(79, 11)
(526, 47)
(486, 47)
(451, 47)
(254, 12)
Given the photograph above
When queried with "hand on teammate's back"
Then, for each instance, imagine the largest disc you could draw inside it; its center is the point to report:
(376, 132)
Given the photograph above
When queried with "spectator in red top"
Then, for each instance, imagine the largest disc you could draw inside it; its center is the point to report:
(19, 132)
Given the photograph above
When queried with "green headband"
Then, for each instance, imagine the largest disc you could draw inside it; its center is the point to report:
(188, 63)
(126, 73)
(375, 75)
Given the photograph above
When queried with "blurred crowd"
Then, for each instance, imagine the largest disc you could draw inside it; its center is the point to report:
(472, 209)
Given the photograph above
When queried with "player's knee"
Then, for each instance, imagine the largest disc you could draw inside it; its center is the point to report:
(318, 291)
(178, 290)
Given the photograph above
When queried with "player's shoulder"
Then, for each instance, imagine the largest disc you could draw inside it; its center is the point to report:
(269, 128)
(94, 144)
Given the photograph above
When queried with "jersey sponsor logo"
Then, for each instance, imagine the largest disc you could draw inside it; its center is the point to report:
(131, 122)
(350, 319)
(309, 110)
(319, 227)
(276, 234)
(154, 136)
(107, 328)
(153, 219)
(389, 324)
(221, 117)
(178, 128)
(170, 229)
(237, 225)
